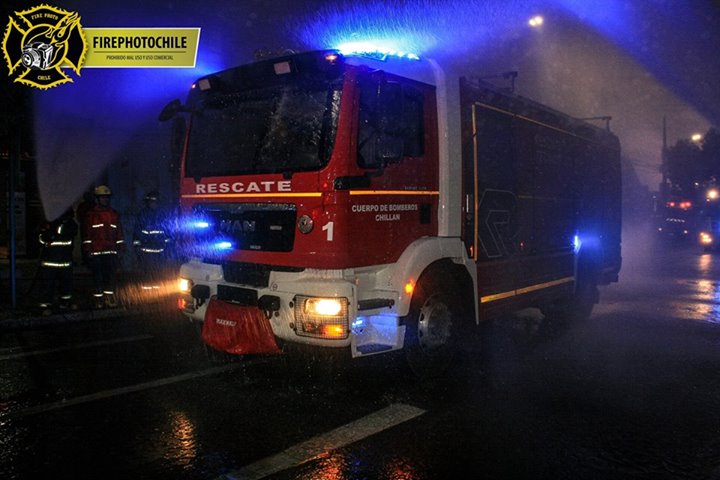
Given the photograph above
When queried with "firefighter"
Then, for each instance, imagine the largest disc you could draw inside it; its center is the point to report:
(102, 241)
(151, 241)
(87, 203)
(56, 262)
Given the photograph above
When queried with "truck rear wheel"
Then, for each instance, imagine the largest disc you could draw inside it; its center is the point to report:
(585, 299)
(581, 304)
(577, 308)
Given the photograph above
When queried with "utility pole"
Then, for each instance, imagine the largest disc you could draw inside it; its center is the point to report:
(664, 162)
(16, 101)
(12, 185)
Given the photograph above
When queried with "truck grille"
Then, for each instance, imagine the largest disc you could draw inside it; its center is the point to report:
(246, 274)
(252, 274)
(240, 296)
(253, 226)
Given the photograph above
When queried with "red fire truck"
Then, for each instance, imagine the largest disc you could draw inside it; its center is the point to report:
(371, 203)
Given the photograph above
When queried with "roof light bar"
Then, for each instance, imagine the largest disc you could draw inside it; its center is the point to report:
(367, 49)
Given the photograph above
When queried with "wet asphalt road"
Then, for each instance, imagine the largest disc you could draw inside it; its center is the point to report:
(632, 393)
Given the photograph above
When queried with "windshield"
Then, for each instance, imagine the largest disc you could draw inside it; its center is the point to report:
(284, 128)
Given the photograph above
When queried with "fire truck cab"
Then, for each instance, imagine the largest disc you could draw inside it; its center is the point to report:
(375, 203)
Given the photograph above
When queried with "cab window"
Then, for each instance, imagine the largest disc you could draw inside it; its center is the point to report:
(406, 127)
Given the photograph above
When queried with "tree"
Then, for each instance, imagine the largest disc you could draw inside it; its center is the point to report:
(711, 154)
(684, 166)
(690, 164)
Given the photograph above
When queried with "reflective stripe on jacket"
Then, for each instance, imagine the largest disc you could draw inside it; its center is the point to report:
(150, 234)
(57, 239)
(102, 232)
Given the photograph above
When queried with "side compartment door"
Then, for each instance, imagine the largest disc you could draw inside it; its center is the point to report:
(491, 205)
(546, 266)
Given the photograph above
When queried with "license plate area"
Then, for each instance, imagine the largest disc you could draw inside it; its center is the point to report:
(237, 295)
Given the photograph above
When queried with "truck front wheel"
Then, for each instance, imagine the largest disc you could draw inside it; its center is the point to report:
(432, 328)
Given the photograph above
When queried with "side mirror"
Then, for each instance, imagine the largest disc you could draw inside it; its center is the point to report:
(170, 110)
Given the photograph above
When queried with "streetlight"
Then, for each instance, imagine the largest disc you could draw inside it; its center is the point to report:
(536, 21)
(696, 137)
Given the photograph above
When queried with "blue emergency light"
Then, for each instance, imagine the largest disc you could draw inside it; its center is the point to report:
(223, 245)
(576, 243)
(370, 50)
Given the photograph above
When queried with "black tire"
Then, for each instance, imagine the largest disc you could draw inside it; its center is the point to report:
(437, 329)
(586, 293)
(577, 308)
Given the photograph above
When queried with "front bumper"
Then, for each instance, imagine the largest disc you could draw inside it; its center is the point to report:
(311, 307)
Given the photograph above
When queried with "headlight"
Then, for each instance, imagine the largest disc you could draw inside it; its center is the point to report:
(706, 238)
(185, 285)
(324, 307)
(321, 317)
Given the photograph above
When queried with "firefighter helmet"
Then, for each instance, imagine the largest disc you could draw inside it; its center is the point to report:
(102, 190)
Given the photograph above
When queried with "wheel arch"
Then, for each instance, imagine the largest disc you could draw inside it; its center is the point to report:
(432, 257)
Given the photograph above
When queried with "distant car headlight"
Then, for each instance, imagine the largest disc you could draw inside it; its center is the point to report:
(706, 238)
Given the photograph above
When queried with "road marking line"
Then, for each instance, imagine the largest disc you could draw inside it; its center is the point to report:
(76, 346)
(129, 389)
(376, 422)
